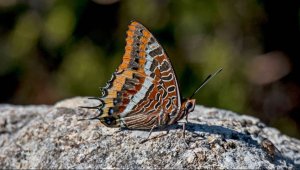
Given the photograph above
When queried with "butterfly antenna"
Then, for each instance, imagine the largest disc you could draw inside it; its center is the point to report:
(206, 81)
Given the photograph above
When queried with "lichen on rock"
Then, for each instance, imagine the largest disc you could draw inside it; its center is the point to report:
(54, 137)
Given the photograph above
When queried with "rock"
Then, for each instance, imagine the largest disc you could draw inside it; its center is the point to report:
(55, 137)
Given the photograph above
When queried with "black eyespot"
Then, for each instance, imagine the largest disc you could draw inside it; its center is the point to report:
(116, 100)
(136, 60)
(108, 120)
(110, 111)
(135, 68)
(119, 94)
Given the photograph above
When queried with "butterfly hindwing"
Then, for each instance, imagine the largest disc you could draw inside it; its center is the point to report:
(143, 91)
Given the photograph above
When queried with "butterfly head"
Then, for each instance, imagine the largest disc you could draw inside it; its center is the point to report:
(189, 105)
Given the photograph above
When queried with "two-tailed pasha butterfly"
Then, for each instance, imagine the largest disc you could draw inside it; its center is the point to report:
(143, 92)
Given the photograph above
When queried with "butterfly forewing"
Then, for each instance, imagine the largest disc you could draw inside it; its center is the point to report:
(143, 91)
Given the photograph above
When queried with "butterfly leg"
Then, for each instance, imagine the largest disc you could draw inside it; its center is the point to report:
(183, 130)
(183, 126)
(153, 127)
(186, 118)
(121, 128)
(183, 135)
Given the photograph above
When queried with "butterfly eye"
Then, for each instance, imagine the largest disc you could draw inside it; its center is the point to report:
(189, 106)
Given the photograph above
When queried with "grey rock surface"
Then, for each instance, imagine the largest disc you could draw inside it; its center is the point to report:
(54, 137)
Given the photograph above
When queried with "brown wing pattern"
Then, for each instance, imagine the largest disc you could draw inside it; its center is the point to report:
(143, 91)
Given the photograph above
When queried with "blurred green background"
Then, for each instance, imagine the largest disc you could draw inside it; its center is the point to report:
(55, 49)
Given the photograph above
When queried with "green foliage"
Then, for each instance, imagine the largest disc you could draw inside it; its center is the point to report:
(71, 48)
(200, 40)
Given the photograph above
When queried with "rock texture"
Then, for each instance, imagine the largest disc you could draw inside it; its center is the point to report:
(54, 137)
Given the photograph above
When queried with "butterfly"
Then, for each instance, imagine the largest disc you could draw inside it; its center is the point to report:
(143, 92)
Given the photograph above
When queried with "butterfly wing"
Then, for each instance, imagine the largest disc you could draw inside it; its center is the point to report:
(143, 91)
